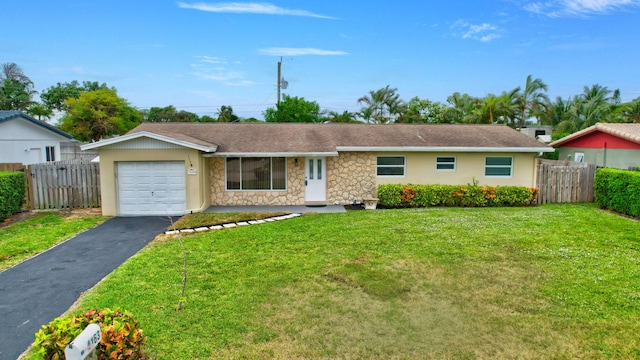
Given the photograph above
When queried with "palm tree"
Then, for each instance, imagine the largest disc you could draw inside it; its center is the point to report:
(532, 99)
(383, 105)
(510, 105)
(461, 108)
(345, 117)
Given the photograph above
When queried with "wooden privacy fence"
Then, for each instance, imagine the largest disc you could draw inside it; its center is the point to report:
(70, 184)
(565, 181)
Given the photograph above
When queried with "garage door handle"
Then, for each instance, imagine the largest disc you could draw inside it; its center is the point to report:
(152, 193)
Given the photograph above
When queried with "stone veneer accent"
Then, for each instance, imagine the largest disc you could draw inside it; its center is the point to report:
(350, 176)
(294, 195)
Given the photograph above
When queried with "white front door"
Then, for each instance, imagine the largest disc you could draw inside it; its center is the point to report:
(315, 170)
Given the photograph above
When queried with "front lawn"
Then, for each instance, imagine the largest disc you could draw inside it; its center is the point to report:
(26, 238)
(553, 281)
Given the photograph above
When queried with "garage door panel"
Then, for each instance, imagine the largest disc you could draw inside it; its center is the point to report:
(151, 188)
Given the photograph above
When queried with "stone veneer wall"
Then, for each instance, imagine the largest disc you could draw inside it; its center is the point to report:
(351, 176)
(294, 195)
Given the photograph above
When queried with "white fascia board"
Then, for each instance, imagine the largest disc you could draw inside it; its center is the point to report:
(123, 138)
(445, 149)
(272, 154)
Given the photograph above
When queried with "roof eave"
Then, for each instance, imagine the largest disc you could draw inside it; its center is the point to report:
(444, 149)
(272, 154)
(136, 135)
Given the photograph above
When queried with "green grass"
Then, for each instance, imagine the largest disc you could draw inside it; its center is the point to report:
(26, 238)
(554, 281)
(192, 221)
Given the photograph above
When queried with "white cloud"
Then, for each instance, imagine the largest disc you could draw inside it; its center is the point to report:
(568, 8)
(212, 68)
(283, 51)
(484, 32)
(249, 8)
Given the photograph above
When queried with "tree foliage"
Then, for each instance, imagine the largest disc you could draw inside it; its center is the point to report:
(97, 114)
(293, 109)
(54, 97)
(382, 106)
(16, 89)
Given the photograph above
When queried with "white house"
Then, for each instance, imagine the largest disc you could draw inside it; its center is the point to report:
(26, 140)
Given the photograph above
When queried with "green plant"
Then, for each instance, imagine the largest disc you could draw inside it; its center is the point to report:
(415, 196)
(122, 337)
(618, 190)
(12, 192)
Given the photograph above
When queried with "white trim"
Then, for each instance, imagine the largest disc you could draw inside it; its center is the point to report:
(271, 154)
(123, 138)
(445, 149)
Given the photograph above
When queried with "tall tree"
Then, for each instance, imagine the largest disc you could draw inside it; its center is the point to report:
(422, 111)
(460, 109)
(295, 110)
(16, 89)
(168, 114)
(55, 96)
(98, 114)
(344, 117)
(383, 105)
(532, 99)
(225, 114)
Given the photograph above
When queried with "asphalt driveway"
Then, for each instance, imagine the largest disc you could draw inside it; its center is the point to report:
(42, 288)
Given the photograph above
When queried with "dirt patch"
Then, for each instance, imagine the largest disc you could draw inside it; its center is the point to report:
(16, 218)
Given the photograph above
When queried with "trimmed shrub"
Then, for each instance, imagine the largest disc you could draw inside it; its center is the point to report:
(122, 337)
(12, 191)
(412, 196)
(618, 190)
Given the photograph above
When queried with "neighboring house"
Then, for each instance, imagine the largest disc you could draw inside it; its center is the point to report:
(604, 144)
(26, 140)
(176, 168)
(536, 131)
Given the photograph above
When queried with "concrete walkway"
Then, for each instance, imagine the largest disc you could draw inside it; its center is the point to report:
(284, 208)
(42, 288)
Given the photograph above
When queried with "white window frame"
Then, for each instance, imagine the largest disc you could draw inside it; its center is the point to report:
(510, 167)
(455, 160)
(286, 174)
(578, 157)
(403, 166)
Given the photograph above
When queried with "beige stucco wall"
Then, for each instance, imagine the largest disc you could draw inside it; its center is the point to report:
(196, 185)
(421, 169)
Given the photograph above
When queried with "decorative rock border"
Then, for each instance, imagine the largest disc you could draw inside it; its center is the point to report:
(231, 225)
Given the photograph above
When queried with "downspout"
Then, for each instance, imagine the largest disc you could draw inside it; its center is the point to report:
(604, 155)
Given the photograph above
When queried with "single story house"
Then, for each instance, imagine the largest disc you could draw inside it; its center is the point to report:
(603, 144)
(26, 140)
(177, 168)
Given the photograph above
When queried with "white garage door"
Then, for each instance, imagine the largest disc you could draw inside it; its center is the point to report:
(151, 188)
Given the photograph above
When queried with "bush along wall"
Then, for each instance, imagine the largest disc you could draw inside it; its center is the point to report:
(414, 196)
(12, 191)
(618, 190)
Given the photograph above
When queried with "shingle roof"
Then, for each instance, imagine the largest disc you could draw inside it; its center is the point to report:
(237, 138)
(6, 115)
(630, 132)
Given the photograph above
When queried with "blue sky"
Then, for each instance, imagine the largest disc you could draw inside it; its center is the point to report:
(200, 55)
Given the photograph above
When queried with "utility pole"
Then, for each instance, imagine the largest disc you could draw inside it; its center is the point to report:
(279, 77)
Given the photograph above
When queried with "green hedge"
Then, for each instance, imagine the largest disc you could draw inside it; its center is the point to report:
(12, 191)
(618, 190)
(413, 196)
